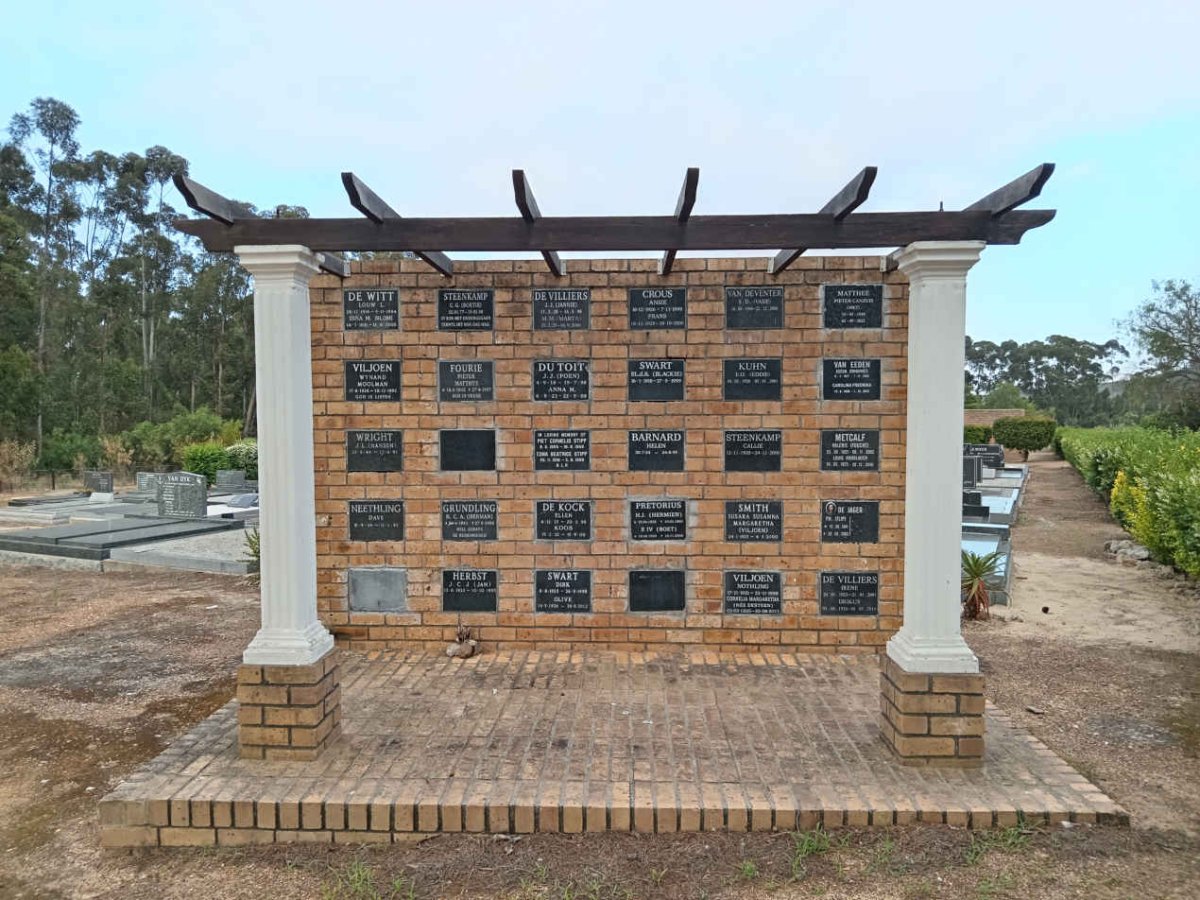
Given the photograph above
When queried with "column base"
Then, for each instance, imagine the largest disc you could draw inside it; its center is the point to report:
(289, 712)
(928, 719)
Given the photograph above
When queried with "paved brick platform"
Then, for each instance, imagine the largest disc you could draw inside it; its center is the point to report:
(588, 741)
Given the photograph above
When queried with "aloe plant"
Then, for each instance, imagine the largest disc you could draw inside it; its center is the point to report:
(976, 570)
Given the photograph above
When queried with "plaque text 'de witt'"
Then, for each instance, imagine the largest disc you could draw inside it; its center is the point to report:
(370, 309)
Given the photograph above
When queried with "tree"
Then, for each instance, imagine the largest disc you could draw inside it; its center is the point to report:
(1004, 395)
(1025, 434)
(1166, 329)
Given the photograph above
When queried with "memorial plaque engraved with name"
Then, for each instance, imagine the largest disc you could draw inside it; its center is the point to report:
(562, 309)
(656, 451)
(563, 451)
(850, 379)
(370, 309)
(656, 379)
(468, 450)
(562, 591)
(990, 455)
(469, 590)
(373, 380)
(753, 520)
(563, 520)
(852, 305)
(658, 520)
(753, 594)
(466, 310)
(847, 450)
(374, 451)
(651, 308)
(753, 379)
(98, 482)
(561, 379)
(466, 381)
(656, 590)
(850, 521)
(147, 482)
(182, 495)
(376, 520)
(753, 307)
(469, 520)
(753, 451)
(849, 593)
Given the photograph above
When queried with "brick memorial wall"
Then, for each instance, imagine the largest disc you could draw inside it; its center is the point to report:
(713, 458)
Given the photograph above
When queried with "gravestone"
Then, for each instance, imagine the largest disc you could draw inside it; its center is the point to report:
(230, 480)
(850, 379)
(182, 495)
(973, 497)
(656, 379)
(469, 520)
(990, 455)
(561, 309)
(370, 309)
(562, 451)
(469, 590)
(976, 511)
(657, 308)
(850, 450)
(563, 520)
(466, 380)
(562, 591)
(849, 593)
(753, 307)
(850, 521)
(658, 520)
(753, 451)
(753, 521)
(656, 451)
(753, 379)
(372, 380)
(147, 482)
(467, 450)
(376, 520)
(374, 451)
(98, 482)
(972, 471)
(852, 305)
(561, 379)
(656, 590)
(466, 310)
(753, 594)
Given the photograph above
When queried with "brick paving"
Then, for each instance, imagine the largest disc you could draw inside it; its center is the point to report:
(524, 741)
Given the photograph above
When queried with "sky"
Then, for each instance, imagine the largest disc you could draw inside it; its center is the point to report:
(605, 104)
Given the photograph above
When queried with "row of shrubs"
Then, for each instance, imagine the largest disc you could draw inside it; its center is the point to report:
(1024, 433)
(1151, 480)
(208, 457)
(977, 434)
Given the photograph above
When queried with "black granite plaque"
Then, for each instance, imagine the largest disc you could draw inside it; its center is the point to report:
(753, 307)
(656, 379)
(852, 305)
(656, 590)
(658, 520)
(849, 450)
(147, 482)
(376, 520)
(469, 520)
(657, 308)
(566, 451)
(753, 451)
(98, 482)
(753, 594)
(972, 471)
(562, 309)
(563, 520)
(373, 380)
(850, 521)
(561, 379)
(974, 498)
(850, 379)
(466, 310)
(182, 495)
(652, 450)
(468, 450)
(469, 590)
(753, 379)
(370, 309)
(990, 455)
(374, 451)
(753, 520)
(466, 380)
(849, 593)
(562, 591)
(976, 511)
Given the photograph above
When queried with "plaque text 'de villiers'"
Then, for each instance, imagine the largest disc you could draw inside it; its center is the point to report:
(376, 520)
(562, 591)
(850, 379)
(370, 309)
(753, 451)
(561, 379)
(753, 593)
(563, 520)
(849, 450)
(850, 521)
(656, 451)
(852, 305)
(753, 520)
(651, 308)
(656, 379)
(466, 380)
(469, 590)
(466, 310)
(372, 380)
(562, 309)
(469, 520)
(658, 520)
(374, 451)
(753, 379)
(849, 593)
(753, 307)
(556, 450)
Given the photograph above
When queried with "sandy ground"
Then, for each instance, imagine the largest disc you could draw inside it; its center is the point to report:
(99, 672)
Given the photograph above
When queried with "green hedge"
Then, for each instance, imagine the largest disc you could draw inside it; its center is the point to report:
(1151, 480)
(1024, 433)
(205, 459)
(244, 455)
(977, 434)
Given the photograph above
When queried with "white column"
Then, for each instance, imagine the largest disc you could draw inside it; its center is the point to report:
(291, 633)
(930, 639)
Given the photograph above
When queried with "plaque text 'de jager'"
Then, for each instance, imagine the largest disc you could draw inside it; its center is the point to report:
(374, 451)
(370, 310)
(563, 520)
(658, 520)
(753, 379)
(562, 591)
(852, 305)
(656, 451)
(753, 520)
(656, 590)
(566, 451)
(376, 520)
(656, 379)
(849, 450)
(468, 449)
(850, 379)
(753, 451)
(849, 593)
(657, 308)
(466, 380)
(561, 379)
(469, 520)
(466, 310)
(372, 380)
(753, 307)
(469, 590)
(850, 521)
(562, 309)
(753, 593)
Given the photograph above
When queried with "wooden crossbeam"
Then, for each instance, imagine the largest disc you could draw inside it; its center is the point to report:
(371, 205)
(527, 204)
(844, 202)
(683, 209)
(1016, 192)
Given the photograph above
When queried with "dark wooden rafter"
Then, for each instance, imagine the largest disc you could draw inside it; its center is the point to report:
(848, 199)
(371, 205)
(223, 210)
(527, 204)
(683, 209)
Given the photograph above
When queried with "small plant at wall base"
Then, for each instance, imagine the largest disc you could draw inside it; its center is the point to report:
(1024, 434)
(976, 570)
(253, 554)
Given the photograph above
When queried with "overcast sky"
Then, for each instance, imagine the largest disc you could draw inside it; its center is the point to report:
(606, 104)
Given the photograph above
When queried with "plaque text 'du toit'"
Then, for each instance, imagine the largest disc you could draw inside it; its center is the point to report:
(561, 379)
(849, 450)
(753, 520)
(753, 593)
(370, 309)
(374, 451)
(469, 590)
(562, 591)
(562, 309)
(852, 305)
(372, 380)
(563, 520)
(466, 310)
(753, 379)
(656, 451)
(850, 521)
(658, 520)
(754, 451)
(850, 379)
(658, 307)
(376, 520)
(469, 520)
(849, 593)
(564, 451)
(753, 307)
(656, 379)
(466, 380)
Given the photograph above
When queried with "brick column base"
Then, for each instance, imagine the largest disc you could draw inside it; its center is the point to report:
(931, 720)
(288, 712)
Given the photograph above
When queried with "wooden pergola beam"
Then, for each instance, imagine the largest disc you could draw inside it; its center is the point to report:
(683, 209)
(844, 202)
(371, 205)
(528, 206)
(1016, 193)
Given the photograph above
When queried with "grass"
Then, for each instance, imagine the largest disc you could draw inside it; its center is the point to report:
(357, 882)
(1007, 840)
(747, 870)
(804, 845)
